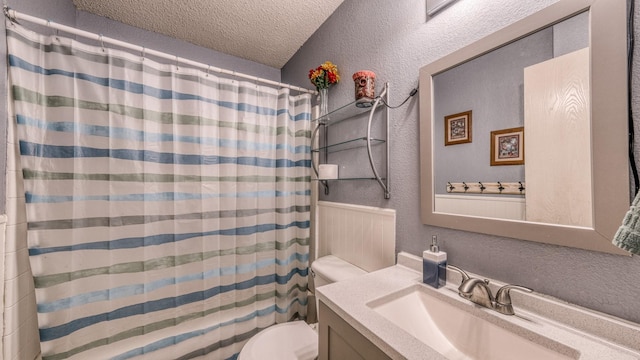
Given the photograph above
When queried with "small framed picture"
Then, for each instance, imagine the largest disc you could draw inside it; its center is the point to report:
(457, 128)
(507, 147)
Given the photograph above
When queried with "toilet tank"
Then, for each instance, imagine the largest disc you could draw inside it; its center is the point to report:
(329, 269)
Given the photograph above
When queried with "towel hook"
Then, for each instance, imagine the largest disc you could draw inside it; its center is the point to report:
(521, 188)
(451, 187)
(481, 186)
(500, 187)
(465, 186)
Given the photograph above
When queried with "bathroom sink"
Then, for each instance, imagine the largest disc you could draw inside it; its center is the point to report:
(454, 332)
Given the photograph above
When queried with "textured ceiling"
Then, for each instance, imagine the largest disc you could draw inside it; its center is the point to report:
(265, 31)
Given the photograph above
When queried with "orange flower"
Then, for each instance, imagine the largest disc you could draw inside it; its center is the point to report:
(324, 75)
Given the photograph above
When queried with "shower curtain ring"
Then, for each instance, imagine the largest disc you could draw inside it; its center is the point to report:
(177, 61)
(10, 14)
(144, 49)
(102, 43)
(56, 33)
(208, 69)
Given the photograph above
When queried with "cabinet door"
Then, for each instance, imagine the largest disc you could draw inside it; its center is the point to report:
(339, 341)
(557, 137)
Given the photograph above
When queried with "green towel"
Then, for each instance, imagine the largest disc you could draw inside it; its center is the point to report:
(628, 235)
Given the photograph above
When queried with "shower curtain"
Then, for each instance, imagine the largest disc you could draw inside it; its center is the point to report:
(167, 208)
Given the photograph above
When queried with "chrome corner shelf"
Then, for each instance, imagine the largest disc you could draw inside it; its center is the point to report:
(349, 144)
(350, 111)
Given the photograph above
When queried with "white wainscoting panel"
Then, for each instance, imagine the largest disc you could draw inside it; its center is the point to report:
(511, 208)
(361, 235)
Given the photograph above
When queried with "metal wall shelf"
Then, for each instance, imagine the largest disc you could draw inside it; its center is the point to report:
(347, 111)
(349, 144)
(350, 111)
(350, 178)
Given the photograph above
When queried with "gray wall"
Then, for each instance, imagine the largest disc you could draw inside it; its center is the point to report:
(394, 39)
(63, 12)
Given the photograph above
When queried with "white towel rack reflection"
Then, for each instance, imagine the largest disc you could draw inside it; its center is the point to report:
(479, 187)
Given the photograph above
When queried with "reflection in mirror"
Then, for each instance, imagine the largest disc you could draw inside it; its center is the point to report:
(493, 87)
(556, 79)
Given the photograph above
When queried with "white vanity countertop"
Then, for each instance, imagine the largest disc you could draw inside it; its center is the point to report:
(349, 300)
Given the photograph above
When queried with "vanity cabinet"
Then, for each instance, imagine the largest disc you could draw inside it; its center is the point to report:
(339, 340)
(322, 146)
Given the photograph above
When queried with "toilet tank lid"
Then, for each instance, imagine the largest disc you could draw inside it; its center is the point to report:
(334, 269)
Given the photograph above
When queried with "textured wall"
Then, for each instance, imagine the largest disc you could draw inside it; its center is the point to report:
(152, 40)
(395, 39)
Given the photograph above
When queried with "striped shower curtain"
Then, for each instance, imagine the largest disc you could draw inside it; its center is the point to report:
(167, 208)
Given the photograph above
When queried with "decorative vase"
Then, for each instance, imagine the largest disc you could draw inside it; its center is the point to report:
(323, 99)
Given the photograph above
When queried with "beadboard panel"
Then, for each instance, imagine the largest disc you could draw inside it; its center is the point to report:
(361, 235)
(483, 206)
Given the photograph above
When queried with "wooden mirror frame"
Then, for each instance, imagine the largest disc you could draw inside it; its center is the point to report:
(609, 124)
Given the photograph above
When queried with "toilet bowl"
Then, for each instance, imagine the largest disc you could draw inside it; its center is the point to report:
(296, 340)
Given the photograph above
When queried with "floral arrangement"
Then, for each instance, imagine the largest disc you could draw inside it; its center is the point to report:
(324, 75)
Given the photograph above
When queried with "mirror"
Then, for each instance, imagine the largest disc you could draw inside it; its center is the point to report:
(549, 66)
(605, 181)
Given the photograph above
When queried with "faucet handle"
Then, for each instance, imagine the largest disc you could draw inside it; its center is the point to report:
(503, 298)
(465, 276)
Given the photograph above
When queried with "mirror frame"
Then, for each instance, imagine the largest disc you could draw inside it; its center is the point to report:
(609, 128)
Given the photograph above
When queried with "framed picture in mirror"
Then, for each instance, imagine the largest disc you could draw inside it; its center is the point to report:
(507, 147)
(457, 128)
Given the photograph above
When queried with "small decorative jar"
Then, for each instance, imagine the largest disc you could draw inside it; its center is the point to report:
(365, 83)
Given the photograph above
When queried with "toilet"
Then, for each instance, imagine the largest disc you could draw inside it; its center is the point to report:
(297, 340)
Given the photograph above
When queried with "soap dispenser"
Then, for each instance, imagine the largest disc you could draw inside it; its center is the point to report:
(434, 265)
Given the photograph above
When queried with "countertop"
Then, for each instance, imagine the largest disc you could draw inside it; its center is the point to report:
(537, 319)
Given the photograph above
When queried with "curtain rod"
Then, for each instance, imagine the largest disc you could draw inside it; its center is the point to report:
(14, 16)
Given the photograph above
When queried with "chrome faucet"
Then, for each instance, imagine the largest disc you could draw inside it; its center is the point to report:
(478, 291)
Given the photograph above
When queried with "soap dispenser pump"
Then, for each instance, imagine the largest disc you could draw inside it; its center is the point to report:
(434, 265)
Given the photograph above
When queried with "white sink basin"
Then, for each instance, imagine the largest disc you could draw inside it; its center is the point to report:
(455, 332)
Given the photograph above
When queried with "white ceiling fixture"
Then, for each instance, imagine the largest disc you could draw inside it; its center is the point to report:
(265, 31)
